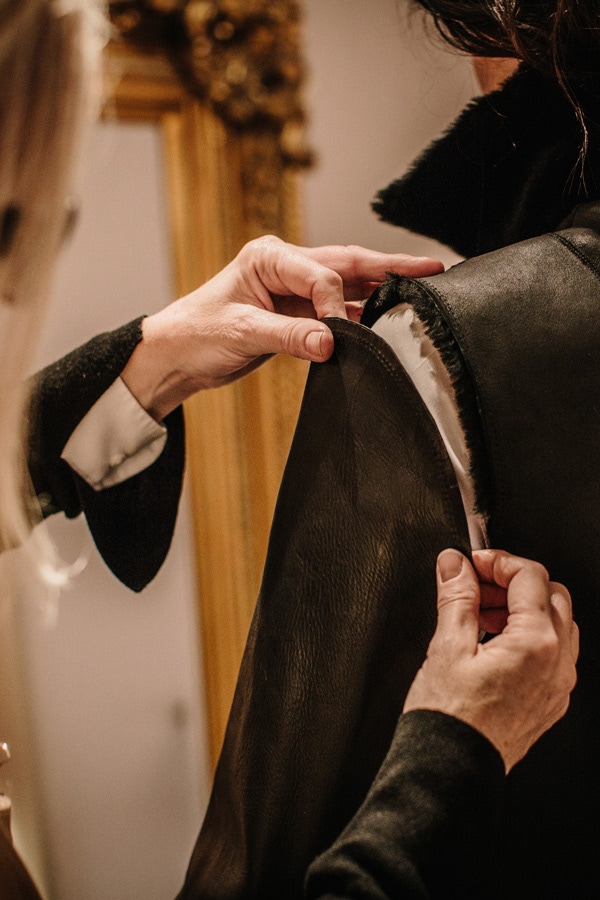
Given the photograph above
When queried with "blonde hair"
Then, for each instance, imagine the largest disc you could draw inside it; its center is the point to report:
(50, 52)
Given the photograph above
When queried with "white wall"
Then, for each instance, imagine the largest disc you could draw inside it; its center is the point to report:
(380, 88)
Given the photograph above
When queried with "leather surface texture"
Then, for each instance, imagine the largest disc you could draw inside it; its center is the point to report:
(342, 622)
(347, 604)
(527, 321)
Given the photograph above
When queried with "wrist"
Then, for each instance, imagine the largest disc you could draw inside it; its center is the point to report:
(155, 373)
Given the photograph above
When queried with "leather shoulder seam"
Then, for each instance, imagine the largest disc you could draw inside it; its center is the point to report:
(569, 245)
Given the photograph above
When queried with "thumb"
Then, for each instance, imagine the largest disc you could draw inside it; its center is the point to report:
(458, 596)
(300, 337)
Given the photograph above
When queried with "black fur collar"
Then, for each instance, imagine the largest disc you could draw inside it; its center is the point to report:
(508, 169)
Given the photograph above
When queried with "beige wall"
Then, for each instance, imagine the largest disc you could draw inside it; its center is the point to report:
(380, 88)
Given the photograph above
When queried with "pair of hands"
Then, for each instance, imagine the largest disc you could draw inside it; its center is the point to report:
(268, 300)
(515, 686)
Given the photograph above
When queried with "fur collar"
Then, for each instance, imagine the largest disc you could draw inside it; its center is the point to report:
(508, 169)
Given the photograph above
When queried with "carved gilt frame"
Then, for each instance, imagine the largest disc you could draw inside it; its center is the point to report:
(237, 436)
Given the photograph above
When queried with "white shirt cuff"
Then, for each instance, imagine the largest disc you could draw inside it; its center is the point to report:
(115, 440)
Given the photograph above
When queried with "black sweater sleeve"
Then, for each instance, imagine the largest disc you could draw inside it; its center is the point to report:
(132, 523)
(427, 825)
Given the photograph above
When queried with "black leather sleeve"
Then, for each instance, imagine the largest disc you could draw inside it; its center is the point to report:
(428, 822)
(132, 523)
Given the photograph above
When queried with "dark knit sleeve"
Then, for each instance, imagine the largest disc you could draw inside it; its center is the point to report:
(132, 523)
(427, 825)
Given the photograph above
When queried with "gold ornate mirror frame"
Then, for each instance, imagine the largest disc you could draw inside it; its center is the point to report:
(226, 185)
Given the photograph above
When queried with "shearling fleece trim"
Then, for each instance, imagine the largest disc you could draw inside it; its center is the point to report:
(400, 289)
(506, 170)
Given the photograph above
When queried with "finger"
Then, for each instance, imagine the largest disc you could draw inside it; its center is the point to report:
(501, 568)
(528, 592)
(574, 639)
(493, 611)
(492, 596)
(269, 266)
(358, 264)
(362, 290)
(458, 600)
(300, 337)
(562, 614)
(561, 601)
(493, 621)
(323, 274)
(298, 306)
(354, 311)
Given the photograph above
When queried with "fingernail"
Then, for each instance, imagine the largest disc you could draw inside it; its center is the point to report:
(450, 563)
(313, 343)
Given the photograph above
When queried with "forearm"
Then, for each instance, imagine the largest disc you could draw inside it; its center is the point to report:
(159, 373)
(131, 520)
(61, 395)
(426, 826)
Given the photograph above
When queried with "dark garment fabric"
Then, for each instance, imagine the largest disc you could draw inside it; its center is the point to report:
(132, 523)
(525, 364)
(508, 169)
(427, 824)
(345, 613)
(347, 603)
(519, 331)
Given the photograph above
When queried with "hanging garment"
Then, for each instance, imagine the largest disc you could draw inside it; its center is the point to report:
(347, 604)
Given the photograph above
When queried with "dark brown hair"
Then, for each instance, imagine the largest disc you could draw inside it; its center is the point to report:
(558, 38)
(555, 37)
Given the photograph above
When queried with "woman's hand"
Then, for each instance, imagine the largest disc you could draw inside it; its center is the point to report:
(268, 300)
(515, 686)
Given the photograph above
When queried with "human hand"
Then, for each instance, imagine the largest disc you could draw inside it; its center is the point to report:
(511, 688)
(265, 301)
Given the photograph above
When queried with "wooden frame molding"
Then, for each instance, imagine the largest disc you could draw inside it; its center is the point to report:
(237, 436)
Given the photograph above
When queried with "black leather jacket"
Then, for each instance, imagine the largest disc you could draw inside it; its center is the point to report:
(347, 603)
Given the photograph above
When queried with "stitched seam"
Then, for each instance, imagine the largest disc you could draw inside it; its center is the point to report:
(471, 419)
(569, 245)
(430, 310)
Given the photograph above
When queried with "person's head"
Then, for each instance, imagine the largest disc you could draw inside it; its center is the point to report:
(49, 53)
(560, 39)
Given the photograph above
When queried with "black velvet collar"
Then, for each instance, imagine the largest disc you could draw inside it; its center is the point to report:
(508, 169)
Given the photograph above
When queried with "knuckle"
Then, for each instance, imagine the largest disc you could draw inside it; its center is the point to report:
(558, 592)
(453, 592)
(353, 252)
(333, 278)
(238, 329)
(290, 338)
(264, 244)
(570, 679)
(539, 570)
(545, 650)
